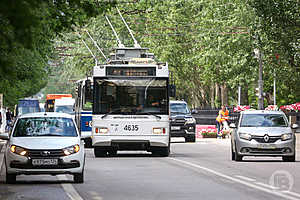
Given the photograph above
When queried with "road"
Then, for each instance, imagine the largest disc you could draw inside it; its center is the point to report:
(201, 170)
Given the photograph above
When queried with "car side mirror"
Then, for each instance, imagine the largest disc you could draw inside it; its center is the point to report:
(4, 136)
(232, 125)
(295, 126)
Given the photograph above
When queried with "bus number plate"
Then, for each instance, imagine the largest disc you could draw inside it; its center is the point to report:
(131, 127)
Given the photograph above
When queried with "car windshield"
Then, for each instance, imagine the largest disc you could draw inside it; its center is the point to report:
(263, 120)
(45, 126)
(65, 109)
(179, 108)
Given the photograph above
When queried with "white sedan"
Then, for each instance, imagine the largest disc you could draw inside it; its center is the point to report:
(44, 143)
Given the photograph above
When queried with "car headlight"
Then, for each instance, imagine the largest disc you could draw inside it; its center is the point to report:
(18, 150)
(245, 136)
(71, 149)
(286, 136)
(190, 121)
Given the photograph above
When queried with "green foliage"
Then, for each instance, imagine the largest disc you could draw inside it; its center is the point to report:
(27, 28)
(207, 43)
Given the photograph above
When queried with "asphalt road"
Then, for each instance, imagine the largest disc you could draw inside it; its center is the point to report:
(202, 170)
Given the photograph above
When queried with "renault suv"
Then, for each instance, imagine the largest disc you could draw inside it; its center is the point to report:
(44, 143)
(263, 133)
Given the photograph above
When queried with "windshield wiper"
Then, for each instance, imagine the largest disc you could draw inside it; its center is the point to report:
(50, 134)
(110, 112)
(149, 113)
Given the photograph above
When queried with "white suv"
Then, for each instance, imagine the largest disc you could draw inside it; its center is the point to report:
(44, 143)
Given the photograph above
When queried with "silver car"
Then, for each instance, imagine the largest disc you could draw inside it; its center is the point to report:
(263, 133)
(44, 143)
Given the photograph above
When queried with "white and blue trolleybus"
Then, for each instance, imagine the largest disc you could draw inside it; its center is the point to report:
(131, 103)
(83, 109)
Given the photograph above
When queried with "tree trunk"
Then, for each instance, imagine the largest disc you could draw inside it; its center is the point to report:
(224, 95)
(212, 96)
(218, 96)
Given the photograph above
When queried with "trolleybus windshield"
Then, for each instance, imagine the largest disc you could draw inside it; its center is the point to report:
(131, 96)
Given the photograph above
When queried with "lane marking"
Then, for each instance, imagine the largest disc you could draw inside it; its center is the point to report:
(245, 178)
(273, 192)
(68, 188)
(268, 186)
(292, 193)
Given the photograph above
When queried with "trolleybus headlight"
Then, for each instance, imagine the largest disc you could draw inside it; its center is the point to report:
(18, 150)
(101, 130)
(71, 149)
(159, 131)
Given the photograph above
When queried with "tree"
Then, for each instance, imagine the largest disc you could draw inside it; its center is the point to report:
(27, 29)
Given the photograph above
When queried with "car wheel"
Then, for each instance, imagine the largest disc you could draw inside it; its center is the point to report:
(191, 138)
(88, 143)
(161, 151)
(100, 152)
(237, 156)
(10, 178)
(289, 158)
(79, 178)
(232, 153)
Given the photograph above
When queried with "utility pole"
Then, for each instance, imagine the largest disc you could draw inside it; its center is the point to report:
(258, 55)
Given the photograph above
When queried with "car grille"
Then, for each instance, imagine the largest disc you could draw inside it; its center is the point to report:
(261, 139)
(178, 122)
(45, 153)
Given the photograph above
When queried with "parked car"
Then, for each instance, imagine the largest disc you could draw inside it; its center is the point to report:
(183, 124)
(263, 133)
(44, 143)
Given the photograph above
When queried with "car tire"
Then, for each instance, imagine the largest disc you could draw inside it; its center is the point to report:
(191, 138)
(237, 156)
(100, 152)
(161, 151)
(232, 153)
(79, 177)
(88, 143)
(11, 178)
(289, 158)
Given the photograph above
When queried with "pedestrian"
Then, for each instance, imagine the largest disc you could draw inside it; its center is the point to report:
(9, 118)
(221, 118)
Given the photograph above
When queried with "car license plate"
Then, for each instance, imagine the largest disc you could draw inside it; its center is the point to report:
(44, 162)
(266, 146)
(175, 128)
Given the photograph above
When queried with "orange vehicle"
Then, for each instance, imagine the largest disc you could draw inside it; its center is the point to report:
(50, 100)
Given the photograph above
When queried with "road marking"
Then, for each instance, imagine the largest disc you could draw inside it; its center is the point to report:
(69, 189)
(245, 178)
(268, 186)
(292, 193)
(251, 185)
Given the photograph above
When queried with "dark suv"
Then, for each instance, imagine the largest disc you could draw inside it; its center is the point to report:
(182, 122)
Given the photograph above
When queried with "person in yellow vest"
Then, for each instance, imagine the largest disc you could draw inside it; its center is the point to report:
(221, 118)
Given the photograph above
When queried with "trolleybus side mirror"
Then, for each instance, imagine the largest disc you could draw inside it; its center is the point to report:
(172, 90)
